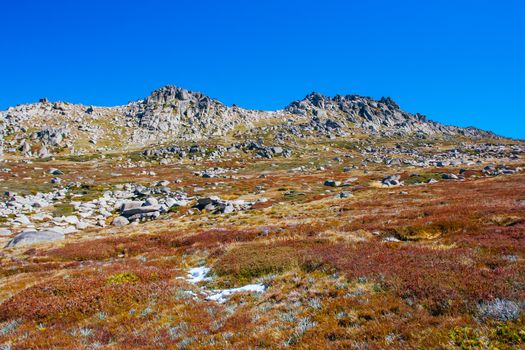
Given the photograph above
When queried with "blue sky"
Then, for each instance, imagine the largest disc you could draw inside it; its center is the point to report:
(458, 62)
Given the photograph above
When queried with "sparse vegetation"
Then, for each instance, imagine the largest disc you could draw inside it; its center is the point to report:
(420, 266)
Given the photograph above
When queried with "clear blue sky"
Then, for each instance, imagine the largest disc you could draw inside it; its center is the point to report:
(458, 62)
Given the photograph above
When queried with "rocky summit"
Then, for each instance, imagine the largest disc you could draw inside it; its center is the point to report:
(177, 222)
(173, 114)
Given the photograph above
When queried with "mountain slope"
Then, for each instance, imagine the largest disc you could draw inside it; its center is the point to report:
(173, 114)
(383, 117)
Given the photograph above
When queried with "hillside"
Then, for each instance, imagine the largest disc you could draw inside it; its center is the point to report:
(172, 114)
(176, 222)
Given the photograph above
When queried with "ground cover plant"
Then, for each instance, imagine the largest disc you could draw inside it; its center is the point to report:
(315, 250)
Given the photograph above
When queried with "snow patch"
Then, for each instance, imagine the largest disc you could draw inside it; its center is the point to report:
(198, 274)
(221, 295)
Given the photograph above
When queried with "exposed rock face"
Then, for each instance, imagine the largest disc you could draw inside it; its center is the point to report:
(189, 115)
(382, 117)
(175, 114)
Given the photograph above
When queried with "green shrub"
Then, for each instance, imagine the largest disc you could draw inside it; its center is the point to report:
(122, 277)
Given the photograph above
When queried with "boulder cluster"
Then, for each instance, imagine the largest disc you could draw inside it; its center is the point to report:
(212, 152)
(216, 205)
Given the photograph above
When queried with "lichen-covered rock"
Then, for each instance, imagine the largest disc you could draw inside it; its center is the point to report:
(34, 237)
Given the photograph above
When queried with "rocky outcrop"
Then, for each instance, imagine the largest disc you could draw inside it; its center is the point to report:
(172, 113)
(189, 115)
(383, 117)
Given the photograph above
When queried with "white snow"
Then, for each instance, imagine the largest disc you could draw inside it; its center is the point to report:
(198, 274)
(221, 295)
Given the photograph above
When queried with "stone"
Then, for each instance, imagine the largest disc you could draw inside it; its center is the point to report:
(163, 183)
(65, 230)
(82, 225)
(203, 202)
(144, 215)
(130, 205)
(170, 202)
(140, 211)
(22, 219)
(216, 205)
(332, 183)
(228, 209)
(71, 219)
(392, 180)
(344, 195)
(277, 150)
(56, 172)
(449, 176)
(56, 180)
(151, 201)
(120, 221)
(34, 237)
(209, 207)
(26, 148)
(5, 232)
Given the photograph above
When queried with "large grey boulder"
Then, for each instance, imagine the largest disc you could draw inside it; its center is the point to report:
(140, 210)
(22, 219)
(130, 205)
(120, 221)
(170, 202)
(151, 201)
(277, 150)
(202, 203)
(34, 237)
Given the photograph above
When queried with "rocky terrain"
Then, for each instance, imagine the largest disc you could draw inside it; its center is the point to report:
(172, 114)
(179, 222)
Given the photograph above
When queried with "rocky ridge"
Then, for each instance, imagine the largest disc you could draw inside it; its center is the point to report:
(173, 114)
(383, 117)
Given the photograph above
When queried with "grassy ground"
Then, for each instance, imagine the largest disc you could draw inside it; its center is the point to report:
(438, 266)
